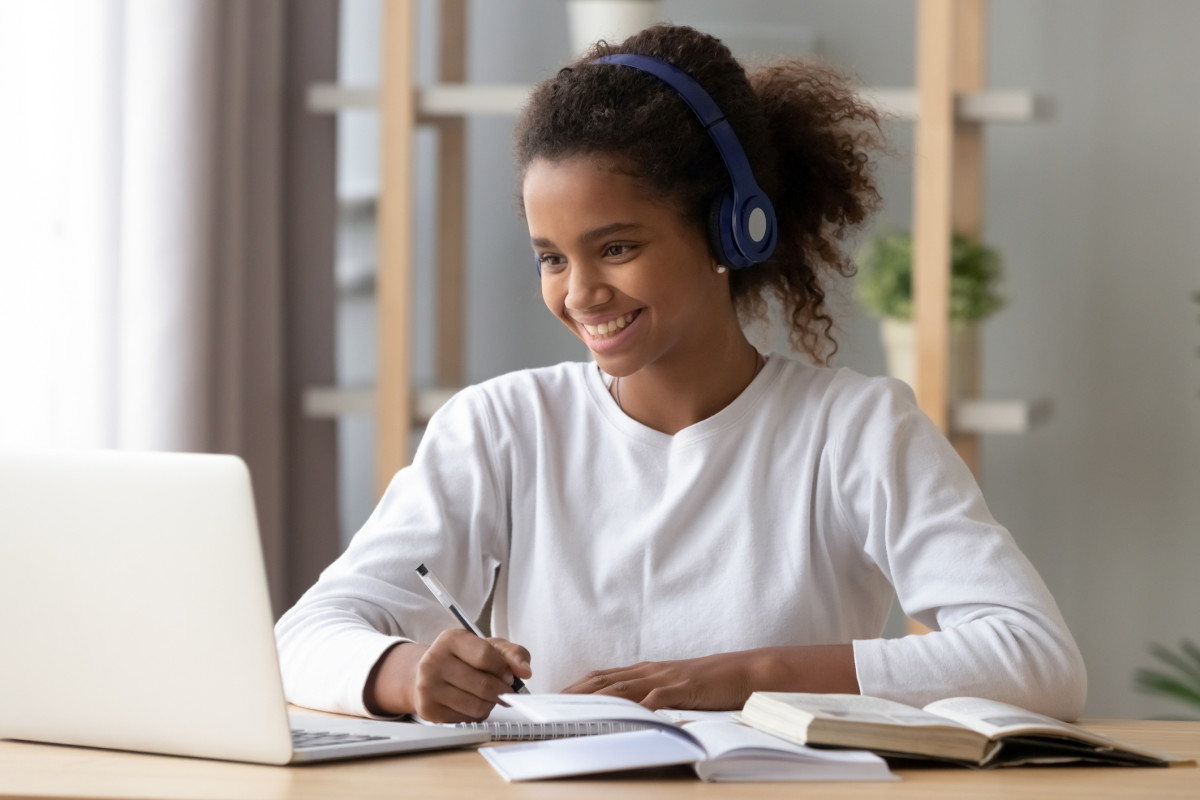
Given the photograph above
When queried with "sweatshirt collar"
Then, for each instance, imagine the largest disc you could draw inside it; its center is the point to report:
(731, 415)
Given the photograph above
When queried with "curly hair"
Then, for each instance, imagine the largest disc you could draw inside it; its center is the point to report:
(805, 131)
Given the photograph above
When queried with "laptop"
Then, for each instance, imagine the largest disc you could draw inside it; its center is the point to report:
(134, 615)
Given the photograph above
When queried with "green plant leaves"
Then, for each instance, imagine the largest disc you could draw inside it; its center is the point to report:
(885, 277)
(1181, 681)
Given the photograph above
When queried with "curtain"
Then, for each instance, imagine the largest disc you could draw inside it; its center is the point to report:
(144, 302)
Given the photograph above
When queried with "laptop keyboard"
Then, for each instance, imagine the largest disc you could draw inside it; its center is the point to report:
(308, 738)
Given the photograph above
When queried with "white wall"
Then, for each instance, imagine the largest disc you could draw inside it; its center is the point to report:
(1095, 211)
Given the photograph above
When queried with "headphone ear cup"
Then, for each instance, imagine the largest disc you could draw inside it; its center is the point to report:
(717, 224)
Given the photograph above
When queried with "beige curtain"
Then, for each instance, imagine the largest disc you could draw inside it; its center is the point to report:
(200, 343)
(174, 227)
(246, 224)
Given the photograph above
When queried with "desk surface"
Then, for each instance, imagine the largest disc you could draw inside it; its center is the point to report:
(35, 770)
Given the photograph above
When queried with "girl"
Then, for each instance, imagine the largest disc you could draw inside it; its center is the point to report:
(686, 520)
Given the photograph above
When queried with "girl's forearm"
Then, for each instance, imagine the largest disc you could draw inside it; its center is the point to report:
(826, 668)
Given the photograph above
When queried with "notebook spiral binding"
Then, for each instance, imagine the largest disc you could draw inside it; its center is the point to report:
(534, 731)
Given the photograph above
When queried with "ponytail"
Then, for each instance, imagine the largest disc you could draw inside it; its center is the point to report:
(821, 134)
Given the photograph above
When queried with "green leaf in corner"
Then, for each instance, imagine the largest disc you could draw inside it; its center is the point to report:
(1158, 683)
(1181, 682)
(1179, 662)
(1191, 651)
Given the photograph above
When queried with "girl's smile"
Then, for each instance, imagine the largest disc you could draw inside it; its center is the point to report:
(609, 335)
(623, 270)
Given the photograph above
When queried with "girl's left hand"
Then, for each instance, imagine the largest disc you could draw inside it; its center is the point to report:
(717, 682)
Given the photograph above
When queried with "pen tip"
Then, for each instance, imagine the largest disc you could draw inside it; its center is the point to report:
(421, 570)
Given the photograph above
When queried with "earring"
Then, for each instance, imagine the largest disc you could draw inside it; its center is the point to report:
(721, 270)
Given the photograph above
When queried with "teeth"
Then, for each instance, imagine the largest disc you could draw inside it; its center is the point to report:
(607, 328)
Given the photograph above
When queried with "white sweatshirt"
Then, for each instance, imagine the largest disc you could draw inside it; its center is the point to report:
(787, 518)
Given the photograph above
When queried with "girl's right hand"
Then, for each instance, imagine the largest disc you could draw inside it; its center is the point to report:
(458, 678)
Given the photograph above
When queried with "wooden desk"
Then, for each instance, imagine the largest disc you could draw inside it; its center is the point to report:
(34, 770)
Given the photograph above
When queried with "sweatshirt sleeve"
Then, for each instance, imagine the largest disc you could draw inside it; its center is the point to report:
(445, 510)
(997, 631)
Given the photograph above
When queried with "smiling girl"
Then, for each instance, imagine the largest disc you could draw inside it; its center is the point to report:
(683, 520)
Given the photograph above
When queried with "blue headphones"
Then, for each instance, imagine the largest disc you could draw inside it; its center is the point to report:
(742, 226)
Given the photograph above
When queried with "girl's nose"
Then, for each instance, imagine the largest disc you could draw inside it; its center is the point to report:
(586, 287)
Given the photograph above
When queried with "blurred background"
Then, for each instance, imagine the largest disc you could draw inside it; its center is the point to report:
(189, 249)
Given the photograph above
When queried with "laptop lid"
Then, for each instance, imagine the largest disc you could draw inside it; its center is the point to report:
(134, 606)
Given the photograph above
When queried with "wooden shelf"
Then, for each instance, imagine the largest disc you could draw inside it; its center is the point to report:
(438, 101)
(355, 277)
(998, 416)
(326, 402)
(948, 107)
(966, 417)
(331, 402)
(983, 106)
(358, 199)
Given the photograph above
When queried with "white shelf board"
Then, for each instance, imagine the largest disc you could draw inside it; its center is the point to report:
(999, 416)
(1003, 106)
(455, 100)
(326, 402)
(359, 198)
(323, 402)
(433, 101)
(461, 99)
(330, 98)
(356, 281)
(986, 106)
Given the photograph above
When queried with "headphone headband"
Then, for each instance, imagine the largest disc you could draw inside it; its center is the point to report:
(746, 226)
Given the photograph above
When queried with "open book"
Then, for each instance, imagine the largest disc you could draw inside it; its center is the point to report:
(969, 730)
(718, 749)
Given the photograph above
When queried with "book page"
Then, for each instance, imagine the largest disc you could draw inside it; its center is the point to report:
(994, 719)
(591, 754)
(721, 738)
(681, 715)
(857, 708)
(738, 753)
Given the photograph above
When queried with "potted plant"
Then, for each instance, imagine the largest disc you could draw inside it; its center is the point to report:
(885, 288)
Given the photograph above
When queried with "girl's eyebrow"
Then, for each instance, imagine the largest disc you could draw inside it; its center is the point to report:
(590, 236)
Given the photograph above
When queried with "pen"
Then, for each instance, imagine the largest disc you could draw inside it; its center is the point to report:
(443, 597)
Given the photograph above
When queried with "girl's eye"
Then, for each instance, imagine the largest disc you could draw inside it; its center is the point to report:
(617, 250)
(550, 261)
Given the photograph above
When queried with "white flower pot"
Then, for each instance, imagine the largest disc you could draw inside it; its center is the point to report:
(899, 345)
(588, 21)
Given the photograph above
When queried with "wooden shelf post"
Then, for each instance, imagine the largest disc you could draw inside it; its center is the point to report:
(933, 183)
(948, 190)
(948, 194)
(393, 410)
(970, 75)
(451, 208)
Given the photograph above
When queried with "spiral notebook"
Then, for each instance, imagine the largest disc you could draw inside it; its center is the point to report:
(510, 725)
(717, 749)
